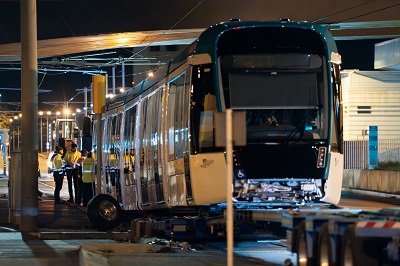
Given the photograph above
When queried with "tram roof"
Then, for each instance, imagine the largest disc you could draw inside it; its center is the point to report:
(205, 43)
(210, 35)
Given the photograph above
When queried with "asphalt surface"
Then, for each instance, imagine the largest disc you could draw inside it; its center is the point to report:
(66, 237)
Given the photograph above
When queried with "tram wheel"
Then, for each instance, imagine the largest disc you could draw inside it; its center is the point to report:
(104, 212)
(352, 253)
(324, 254)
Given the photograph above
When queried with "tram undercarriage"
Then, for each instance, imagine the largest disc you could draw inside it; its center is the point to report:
(293, 191)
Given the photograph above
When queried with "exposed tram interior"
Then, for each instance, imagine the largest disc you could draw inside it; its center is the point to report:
(285, 97)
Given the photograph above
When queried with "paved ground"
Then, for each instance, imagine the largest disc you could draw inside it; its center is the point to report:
(65, 238)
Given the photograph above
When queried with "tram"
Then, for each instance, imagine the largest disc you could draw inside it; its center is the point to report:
(286, 77)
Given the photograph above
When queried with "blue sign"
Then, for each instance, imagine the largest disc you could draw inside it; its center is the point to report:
(373, 147)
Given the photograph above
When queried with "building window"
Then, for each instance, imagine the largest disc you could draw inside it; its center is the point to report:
(363, 109)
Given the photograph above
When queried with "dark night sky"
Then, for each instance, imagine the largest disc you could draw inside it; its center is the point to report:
(62, 18)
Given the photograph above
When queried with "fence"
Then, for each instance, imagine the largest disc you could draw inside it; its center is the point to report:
(356, 152)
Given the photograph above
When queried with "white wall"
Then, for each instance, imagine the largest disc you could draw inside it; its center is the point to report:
(371, 98)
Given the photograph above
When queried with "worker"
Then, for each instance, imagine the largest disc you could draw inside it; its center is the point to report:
(79, 195)
(113, 166)
(71, 158)
(88, 178)
(58, 173)
(127, 162)
(132, 154)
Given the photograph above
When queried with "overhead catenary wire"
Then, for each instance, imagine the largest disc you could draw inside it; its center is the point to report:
(172, 27)
(341, 11)
(44, 75)
(369, 13)
(351, 8)
(65, 22)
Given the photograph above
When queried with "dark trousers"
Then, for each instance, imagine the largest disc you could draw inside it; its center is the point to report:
(79, 195)
(72, 176)
(58, 179)
(114, 176)
(88, 192)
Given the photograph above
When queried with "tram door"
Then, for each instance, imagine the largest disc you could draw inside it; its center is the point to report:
(141, 153)
(112, 148)
(151, 182)
(129, 181)
(176, 141)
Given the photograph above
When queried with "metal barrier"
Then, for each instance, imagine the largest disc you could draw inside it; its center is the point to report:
(14, 188)
(356, 152)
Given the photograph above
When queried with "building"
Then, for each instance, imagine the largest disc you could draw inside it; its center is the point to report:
(371, 98)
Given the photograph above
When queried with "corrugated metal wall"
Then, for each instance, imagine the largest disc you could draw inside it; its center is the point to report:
(387, 55)
(371, 98)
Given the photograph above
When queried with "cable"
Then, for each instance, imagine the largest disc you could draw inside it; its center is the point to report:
(5, 36)
(342, 11)
(173, 26)
(137, 73)
(369, 13)
(44, 75)
(66, 23)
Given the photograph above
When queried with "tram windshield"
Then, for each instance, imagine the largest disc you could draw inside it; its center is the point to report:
(282, 94)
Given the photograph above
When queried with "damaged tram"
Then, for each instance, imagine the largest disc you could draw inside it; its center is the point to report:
(284, 74)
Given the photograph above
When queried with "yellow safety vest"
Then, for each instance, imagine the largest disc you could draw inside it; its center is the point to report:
(113, 161)
(72, 157)
(127, 162)
(88, 168)
(57, 163)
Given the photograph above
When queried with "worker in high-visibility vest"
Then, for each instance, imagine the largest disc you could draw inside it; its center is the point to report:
(88, 178)
(113, 168)
(127, 162)
(132, 154)
(71, 157)
(58, 173)
(112, 163)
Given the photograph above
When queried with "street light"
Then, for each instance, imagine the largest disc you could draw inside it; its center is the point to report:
(48, 130)
(41, 131)
(58, 113)
(66, 112)
(16, 119)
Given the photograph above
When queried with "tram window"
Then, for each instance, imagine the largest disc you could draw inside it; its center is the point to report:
(255, 90)
(112, 142)
(203, 104)
(129, 130)
(116, 132)
(178, 117)
(150, 137)
(142, 126)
